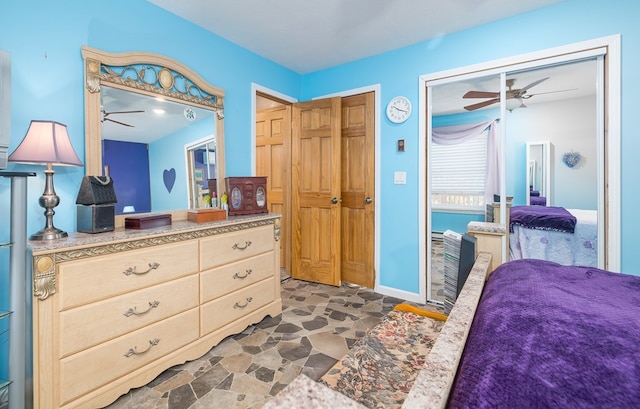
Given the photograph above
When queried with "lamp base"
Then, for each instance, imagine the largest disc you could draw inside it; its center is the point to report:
(48, 233)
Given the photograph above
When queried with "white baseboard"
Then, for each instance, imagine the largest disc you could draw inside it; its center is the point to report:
(403, 295)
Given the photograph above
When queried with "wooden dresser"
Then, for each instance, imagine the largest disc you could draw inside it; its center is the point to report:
(112, 311)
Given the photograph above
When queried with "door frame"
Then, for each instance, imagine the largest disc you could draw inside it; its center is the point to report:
(611, 117)
(375, 88)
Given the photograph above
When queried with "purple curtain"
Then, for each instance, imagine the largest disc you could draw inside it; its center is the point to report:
(455, 134)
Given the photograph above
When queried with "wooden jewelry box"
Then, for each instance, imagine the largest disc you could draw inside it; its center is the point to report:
(247, 195)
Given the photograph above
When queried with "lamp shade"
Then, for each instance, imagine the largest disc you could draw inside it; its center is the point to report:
(46, 142)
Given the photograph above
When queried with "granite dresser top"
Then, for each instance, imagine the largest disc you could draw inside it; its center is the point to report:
(121, 234)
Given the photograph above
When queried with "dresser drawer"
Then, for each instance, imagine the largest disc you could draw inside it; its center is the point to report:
(97, 278)
(231, 277)
(226, 248)
(92, 368)
(91, 324)
(234, 306)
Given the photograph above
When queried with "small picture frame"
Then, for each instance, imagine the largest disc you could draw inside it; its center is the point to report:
(198, 174)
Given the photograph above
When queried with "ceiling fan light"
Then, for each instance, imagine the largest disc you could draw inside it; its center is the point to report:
(513, 103)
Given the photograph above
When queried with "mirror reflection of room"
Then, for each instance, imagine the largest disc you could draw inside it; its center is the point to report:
(142, 135)
(538, 173)
(201, 160)
(559, 108)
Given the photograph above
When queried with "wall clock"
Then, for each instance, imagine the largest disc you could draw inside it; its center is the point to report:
(399, 109)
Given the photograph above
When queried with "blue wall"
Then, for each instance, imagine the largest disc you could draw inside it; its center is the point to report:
(171, 149)
(398, 71)
(44, 39)
(129, 167)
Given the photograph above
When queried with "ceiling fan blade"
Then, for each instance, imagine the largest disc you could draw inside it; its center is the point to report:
(481, 94)
(533, 84)
(549, 92)
(118, 122)
(122, 112)
(481, 104)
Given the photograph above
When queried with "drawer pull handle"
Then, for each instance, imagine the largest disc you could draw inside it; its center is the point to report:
(134, 351)
(133, 311)
(238, 247)
(238, 305)
(247, 272)
(132, 270)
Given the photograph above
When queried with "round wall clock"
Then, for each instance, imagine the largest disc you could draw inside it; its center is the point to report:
(399, 109)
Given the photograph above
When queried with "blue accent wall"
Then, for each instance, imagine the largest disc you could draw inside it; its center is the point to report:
(171, 150)
(129, 168)
(44, 39)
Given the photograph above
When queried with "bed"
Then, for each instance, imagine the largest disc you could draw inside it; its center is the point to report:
(536, 334)
(546, 335)
(564, 236)
(535, 199)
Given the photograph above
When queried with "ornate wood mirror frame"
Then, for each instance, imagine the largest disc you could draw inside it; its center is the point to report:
(148, 74)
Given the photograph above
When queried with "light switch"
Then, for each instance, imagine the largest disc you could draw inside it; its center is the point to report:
(399, 178)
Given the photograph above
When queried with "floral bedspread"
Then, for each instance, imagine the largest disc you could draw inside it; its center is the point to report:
(380, 369)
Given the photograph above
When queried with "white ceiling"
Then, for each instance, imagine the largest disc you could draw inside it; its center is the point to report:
(306, 35)
(159, 118)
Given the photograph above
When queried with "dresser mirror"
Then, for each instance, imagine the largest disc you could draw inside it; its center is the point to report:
(147, 102)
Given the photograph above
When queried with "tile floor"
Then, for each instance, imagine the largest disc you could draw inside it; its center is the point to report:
(318, 325)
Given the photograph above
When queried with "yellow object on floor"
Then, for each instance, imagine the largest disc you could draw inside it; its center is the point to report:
(429, 314)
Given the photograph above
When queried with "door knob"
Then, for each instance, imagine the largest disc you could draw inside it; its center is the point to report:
(335, 200)
(368, 200)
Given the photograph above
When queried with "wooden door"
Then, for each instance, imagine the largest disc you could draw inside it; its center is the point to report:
(316, 179)
(273, 160)
(358, 189)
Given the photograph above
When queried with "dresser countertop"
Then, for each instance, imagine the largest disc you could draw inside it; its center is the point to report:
(77, 240)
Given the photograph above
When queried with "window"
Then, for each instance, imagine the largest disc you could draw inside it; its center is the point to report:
(458, 175)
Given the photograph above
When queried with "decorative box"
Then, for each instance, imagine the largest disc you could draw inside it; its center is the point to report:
(147, 221)
(247, 195)
(206, 215)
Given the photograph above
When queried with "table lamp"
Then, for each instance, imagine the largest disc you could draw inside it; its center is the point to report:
(47, 142)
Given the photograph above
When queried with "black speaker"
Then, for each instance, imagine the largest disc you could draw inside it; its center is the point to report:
(96, 218)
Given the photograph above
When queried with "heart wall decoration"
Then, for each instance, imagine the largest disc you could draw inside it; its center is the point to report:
(571, 159)
(169, 177)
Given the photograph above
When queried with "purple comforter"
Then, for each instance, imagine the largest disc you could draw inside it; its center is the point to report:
(551, 336)
(542, 218)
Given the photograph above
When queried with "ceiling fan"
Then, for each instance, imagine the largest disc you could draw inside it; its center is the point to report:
(105, 116)
(518, 95)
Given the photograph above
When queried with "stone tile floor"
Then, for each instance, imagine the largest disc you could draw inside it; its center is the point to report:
(317, 326)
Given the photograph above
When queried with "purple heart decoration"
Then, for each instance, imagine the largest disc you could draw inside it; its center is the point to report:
(169, 177)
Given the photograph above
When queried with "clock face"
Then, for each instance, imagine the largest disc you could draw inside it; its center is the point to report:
(398, 109)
